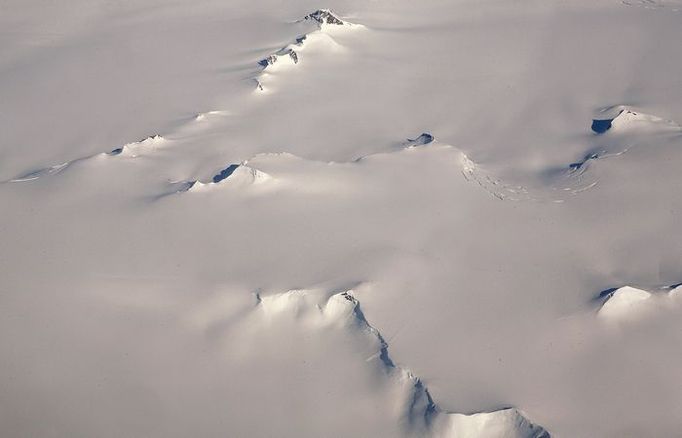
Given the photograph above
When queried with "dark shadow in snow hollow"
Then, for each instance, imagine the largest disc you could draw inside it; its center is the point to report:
(225, 173)
(600, 126)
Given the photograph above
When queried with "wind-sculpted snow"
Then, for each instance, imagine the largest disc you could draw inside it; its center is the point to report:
(206, 115)
(142, 148)
(440, 189)
(672, 5)
(497, 188)
(621, 302)
(415, 413)
(52, 170)
(616, 130)
(627, 120)
(235, 176)
(629, 303)
(130, 150)
(322, 38)
(285, 52)
(471, 171)
(242, 175)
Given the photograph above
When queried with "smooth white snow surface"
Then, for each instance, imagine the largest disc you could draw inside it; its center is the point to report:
(623, 302)
(401, 230)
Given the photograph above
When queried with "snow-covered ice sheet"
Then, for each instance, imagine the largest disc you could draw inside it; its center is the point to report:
(435, 218)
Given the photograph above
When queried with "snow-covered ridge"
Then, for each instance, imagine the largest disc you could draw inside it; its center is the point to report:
(622, 119)
(205, 115)
(418, 412)
(505, 423)
(628, 302)
(234, 175)
(424, 143)
(134, 149)
(427, 143)
(327, 24)
(622, 302)
(474, 173)
(47, 171)
(129, 308)
(130, 150)
(242, 175)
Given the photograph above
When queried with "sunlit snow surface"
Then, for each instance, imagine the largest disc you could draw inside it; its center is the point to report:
(381, 219)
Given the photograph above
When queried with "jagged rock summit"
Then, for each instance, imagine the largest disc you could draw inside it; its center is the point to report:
(324, 16)
(321, 17)
(280, 53)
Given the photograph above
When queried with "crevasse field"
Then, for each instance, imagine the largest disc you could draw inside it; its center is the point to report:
(229, 218)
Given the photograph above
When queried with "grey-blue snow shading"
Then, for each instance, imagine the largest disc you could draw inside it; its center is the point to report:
(424, 138)
(577, 165)
(185, 186)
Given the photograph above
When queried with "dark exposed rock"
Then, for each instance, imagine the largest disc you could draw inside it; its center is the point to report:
(579, 164)
(225, 173)
(600, 126)
(273, 58)
(424, 138)
(324, 16)
(267, 61)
